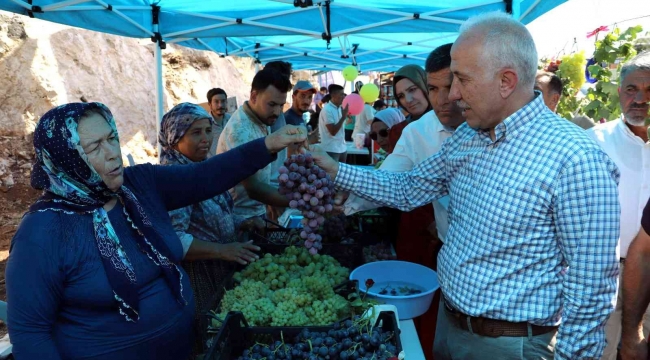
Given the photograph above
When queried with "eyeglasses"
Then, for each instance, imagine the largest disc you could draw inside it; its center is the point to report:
(382, 133)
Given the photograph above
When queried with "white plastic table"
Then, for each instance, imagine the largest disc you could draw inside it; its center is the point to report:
(410, 341)
(352, 150)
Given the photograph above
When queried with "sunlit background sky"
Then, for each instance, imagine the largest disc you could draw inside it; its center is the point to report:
(555, 31)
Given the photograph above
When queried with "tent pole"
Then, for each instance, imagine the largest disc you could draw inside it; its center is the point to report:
(159, 92)
(516, 9)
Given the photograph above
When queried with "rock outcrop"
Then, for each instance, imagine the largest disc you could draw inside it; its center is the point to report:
(44, 64)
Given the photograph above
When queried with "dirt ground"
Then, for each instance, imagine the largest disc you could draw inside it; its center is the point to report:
(14, 201)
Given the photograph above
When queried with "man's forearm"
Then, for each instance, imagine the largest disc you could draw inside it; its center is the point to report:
(334, 128)
(266, 194)
(202, 250)
(636, 293)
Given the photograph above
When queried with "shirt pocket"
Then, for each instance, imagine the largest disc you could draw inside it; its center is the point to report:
(523, 208)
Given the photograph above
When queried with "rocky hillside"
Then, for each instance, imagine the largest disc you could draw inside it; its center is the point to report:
(44, 64)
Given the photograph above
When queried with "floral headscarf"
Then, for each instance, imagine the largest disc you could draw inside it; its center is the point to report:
(174, 125)
(72, 186)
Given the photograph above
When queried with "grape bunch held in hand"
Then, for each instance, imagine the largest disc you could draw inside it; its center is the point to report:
(310, 190)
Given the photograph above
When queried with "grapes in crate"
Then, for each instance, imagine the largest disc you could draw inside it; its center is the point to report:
(347, 340)
(310, 190)
(335, 227)
(378, 252)
(290, 289)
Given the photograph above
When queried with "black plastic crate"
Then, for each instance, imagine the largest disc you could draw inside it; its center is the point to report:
(364, 228)
(382, 223)
(236, 335)
(274, 233)
(201, 320)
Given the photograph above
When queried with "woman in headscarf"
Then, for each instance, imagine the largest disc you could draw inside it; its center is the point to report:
(382, 124)
(208, 230)
(410, 87)
(93, 271)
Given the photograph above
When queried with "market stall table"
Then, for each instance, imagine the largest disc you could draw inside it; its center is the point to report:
(410, 341)
(353, 151)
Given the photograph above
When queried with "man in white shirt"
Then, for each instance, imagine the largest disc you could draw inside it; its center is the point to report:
(625, 140)
(330, 125)
(252, 121)
(423, 138)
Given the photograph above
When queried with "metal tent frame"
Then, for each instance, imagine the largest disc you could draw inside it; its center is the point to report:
(326, 35)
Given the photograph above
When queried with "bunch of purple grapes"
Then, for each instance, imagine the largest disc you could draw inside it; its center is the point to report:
(308, 189)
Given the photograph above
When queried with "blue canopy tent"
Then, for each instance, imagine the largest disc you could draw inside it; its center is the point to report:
(311, 34)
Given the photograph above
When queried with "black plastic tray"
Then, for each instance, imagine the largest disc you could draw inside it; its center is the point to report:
(236, 335)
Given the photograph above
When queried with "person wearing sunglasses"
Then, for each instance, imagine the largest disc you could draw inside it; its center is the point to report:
(381, 124)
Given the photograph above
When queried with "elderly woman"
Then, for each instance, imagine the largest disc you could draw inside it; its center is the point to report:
(207, 230)
(382, 124)
(93, 268)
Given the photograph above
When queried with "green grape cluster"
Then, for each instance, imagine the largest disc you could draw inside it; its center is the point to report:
(572, 68)
(294, 288)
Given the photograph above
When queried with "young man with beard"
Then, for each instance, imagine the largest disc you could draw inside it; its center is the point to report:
(218, 102)
(530, 262)
(625, 140)
(303, 93)
(253, 121)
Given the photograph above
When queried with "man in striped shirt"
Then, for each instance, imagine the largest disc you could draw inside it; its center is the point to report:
(530, 264)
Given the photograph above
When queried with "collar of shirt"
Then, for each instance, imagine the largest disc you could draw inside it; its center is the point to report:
(253, 117)
(332, 105)
(292, 112)
(513, 124)
(623, 128)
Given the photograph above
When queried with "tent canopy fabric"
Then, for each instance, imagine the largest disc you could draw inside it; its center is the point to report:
(371, 34)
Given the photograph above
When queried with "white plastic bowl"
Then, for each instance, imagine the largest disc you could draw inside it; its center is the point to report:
(381, 272)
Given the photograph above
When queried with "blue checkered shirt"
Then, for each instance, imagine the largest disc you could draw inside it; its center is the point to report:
(534, 223)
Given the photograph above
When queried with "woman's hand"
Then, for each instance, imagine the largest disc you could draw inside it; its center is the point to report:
(285, 136)
(238, 252)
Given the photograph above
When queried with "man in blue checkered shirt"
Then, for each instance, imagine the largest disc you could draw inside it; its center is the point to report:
(530, 265)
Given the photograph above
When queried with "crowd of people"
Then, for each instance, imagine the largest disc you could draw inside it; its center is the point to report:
(537, 226)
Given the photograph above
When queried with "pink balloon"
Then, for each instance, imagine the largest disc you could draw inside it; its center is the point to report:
(355, 103)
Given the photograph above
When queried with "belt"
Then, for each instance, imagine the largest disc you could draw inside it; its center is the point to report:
(495, 328)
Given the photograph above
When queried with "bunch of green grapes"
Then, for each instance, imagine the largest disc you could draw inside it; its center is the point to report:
(290, 289)
(572, 68)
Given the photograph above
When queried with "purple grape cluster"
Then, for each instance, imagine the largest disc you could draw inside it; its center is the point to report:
(308, 189)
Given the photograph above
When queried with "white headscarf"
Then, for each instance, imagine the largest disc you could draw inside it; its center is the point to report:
(390, 117)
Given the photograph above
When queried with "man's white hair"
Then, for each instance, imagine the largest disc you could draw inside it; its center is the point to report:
(639, 62)
(506, 43)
